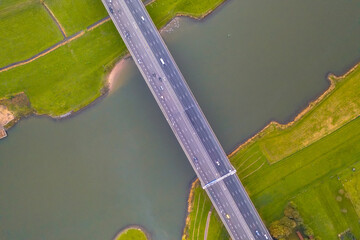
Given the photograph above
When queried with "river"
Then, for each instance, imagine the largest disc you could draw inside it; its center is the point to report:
(117, 162)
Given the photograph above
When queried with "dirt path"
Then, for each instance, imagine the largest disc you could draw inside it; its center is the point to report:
(42, 53)
(202, 212)
(98, 23)
(58, 24)
(197, 209)
(207, 223)
(55, 46)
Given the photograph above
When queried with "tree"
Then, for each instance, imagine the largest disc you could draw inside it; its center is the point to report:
(308, 231)
(287, 222)
(279, 230)
(292, 213)
(349, 236)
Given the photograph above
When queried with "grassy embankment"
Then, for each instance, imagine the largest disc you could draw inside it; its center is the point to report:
(322, 144)
(131, 234)
(73, 75)
(26, 29)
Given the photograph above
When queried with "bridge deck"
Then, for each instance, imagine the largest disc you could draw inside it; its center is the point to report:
(186, 119)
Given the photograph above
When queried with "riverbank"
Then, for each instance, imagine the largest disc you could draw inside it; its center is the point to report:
(113, 76)
(2, 132)
(273, 124)
(133, 232)
(310, 171)
(90, 58)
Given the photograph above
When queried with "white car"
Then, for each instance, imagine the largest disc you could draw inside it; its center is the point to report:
(162, 61)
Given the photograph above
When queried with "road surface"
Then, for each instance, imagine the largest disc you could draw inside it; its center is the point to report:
(182, 112)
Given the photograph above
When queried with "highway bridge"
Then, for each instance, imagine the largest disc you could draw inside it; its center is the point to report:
(170, 90)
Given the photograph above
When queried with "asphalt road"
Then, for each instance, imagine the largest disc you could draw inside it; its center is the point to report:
(186, 119)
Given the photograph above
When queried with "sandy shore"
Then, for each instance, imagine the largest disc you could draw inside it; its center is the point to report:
(114, 79)
(5, 116)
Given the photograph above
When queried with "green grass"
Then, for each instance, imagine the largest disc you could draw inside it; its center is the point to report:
(72, 76)
(25, 29)
(198, 217)
(341, 106)
(132, 234)
(327, 216)
(69, 77)
(351, 182)
(162, 11)
(312, 176)
(75, 16)
(216, 230)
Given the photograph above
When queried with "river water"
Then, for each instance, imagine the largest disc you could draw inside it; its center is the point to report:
(118, 163)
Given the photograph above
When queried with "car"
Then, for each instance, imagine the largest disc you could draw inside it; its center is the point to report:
(162, 61)
(162, 97)
(139, 61)
(227, 216)
(160, 79)
(195, 158)
(266, 236)
(217, 162)
(127, 34)
(142, 18)
(154, 74)
(111, 10)
(161, 88)
(257, 233)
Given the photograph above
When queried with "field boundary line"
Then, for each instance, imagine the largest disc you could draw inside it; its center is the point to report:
(55, 46)
(197, 209)
(57, 22)
(98, 23)
(254, 171)
(207, 223)
(241, 164)
(202, 212)
(43, 53)
(250, 164)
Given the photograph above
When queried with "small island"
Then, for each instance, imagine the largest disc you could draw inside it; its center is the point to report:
(132, 233)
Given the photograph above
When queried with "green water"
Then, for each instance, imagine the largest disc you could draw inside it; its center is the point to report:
(117, 162)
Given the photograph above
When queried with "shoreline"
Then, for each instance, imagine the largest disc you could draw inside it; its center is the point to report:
(189, 206)
(132, 226)
(115, 67)
(115, 70)
(332, 78)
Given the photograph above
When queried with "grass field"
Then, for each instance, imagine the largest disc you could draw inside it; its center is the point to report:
(312, 176)
(343, 105)
(351, 181)
(326, 214)
(198, 217)
(75, 16)
(69, 77)
(132, 234)
(162, 11)
(195, 229)
(25, 29)
(72, 76)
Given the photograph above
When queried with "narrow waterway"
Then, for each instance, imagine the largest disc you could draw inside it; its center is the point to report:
(117, 162)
